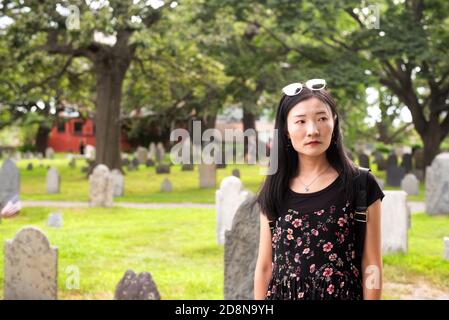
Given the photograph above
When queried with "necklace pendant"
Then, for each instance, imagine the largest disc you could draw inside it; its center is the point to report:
(307, 189)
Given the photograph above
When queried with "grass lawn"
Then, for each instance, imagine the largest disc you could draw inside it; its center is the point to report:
(143, 185)
(178, 247)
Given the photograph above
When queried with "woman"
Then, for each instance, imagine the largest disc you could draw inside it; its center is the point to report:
(310, 251)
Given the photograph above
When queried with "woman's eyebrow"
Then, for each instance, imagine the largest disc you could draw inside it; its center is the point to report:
(303, 115)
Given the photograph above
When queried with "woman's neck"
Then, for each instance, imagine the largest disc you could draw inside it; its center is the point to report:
(312, 166)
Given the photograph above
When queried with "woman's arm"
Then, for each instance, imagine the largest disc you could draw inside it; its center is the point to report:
(372, 254)
(262, 275)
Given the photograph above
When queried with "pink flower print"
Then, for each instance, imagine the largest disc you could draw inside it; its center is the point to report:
(314, 232)
(300, 295)
(328, 247)
(297, 223)
(289, 237)
(330, 289)
(298, 242)
(356, 271)
(341, 222)
(353, 254)
(328, 272)
(288, 217)
(342, 238)
(297, 257)
(342, 284)
(306, 251)
(312, 268)
(319, 213)
(333, 257)
(332, 209)
(290, 231)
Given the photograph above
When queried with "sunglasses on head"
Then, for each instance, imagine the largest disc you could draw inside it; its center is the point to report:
(294, 89)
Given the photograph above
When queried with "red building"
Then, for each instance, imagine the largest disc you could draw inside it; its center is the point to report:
(68, 133)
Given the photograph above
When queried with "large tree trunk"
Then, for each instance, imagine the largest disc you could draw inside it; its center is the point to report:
(110, 72)
(249, 122)
(42, 137)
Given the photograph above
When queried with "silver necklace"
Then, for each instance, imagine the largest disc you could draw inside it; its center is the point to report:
(308, 185)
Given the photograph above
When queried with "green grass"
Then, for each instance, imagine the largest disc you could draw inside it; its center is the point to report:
(178, 247)
(142, 185)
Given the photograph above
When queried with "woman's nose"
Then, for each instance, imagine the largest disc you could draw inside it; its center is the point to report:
(312, 128)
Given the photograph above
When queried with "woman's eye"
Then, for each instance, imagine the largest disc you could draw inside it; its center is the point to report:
(323, 118)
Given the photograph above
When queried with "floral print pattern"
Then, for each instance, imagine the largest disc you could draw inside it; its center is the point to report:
(314, 256)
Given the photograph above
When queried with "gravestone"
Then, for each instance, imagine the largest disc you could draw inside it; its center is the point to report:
(240, 252)
(125, 161)
(101, 187)
(166, 186)
(152, 151)
(227, 200)
(187, 167)
(135, 162)
(380, 161)
(437, 185)
(162, 168)
(9, 182)
(31, 267)
(49, 153)
(207, 175)
(395, 175)
(89, 152)
(410, 184)
(118, 182)
(394, 222)
(142, 154)
(136, 287)
(149, 163)
(392, 160)
(160, 152)
(407, 162)
(364, 160)
(236, 173)
(55, 220)
(30, 166)
(446, 248)
(52, 181)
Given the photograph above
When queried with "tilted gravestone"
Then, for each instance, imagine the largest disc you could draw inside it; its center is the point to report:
(136, 287)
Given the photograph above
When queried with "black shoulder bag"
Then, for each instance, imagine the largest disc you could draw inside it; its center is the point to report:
(361, 209)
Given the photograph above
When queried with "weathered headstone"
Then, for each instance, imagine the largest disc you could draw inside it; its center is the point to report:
(364, 160)
(101, 187)
(160, 152)
(119, 183)
(55, 220)
(142, 154)
(394, 222)
(152, 151)
(446, 248)
(392, 160)
(166, 186)
(208, 175)
(240, 252)
(149, 163)
(162, 168)
(133, 287)
(395, 176)
(125, 161)
(31, 267)
(407, 162)
(30, 166)
(380, 161)
(9, 181)
(437, 185)
(410, 184)
(135, 162)
(227, 200)
(49, 153)
(187, 167)
(53, 181)
(236, 173)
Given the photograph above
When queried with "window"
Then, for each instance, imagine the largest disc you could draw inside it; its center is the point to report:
(78, 127)
(61, 127)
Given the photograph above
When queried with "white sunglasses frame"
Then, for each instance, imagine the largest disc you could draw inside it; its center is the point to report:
(298, 85)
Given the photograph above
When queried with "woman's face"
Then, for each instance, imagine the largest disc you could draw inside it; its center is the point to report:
(310, 120)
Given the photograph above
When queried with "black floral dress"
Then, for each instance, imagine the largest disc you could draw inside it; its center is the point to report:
(313, 247)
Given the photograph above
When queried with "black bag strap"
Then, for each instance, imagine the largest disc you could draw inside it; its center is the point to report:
(361, 207)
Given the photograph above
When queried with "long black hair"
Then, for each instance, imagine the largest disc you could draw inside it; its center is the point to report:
(275, 186)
